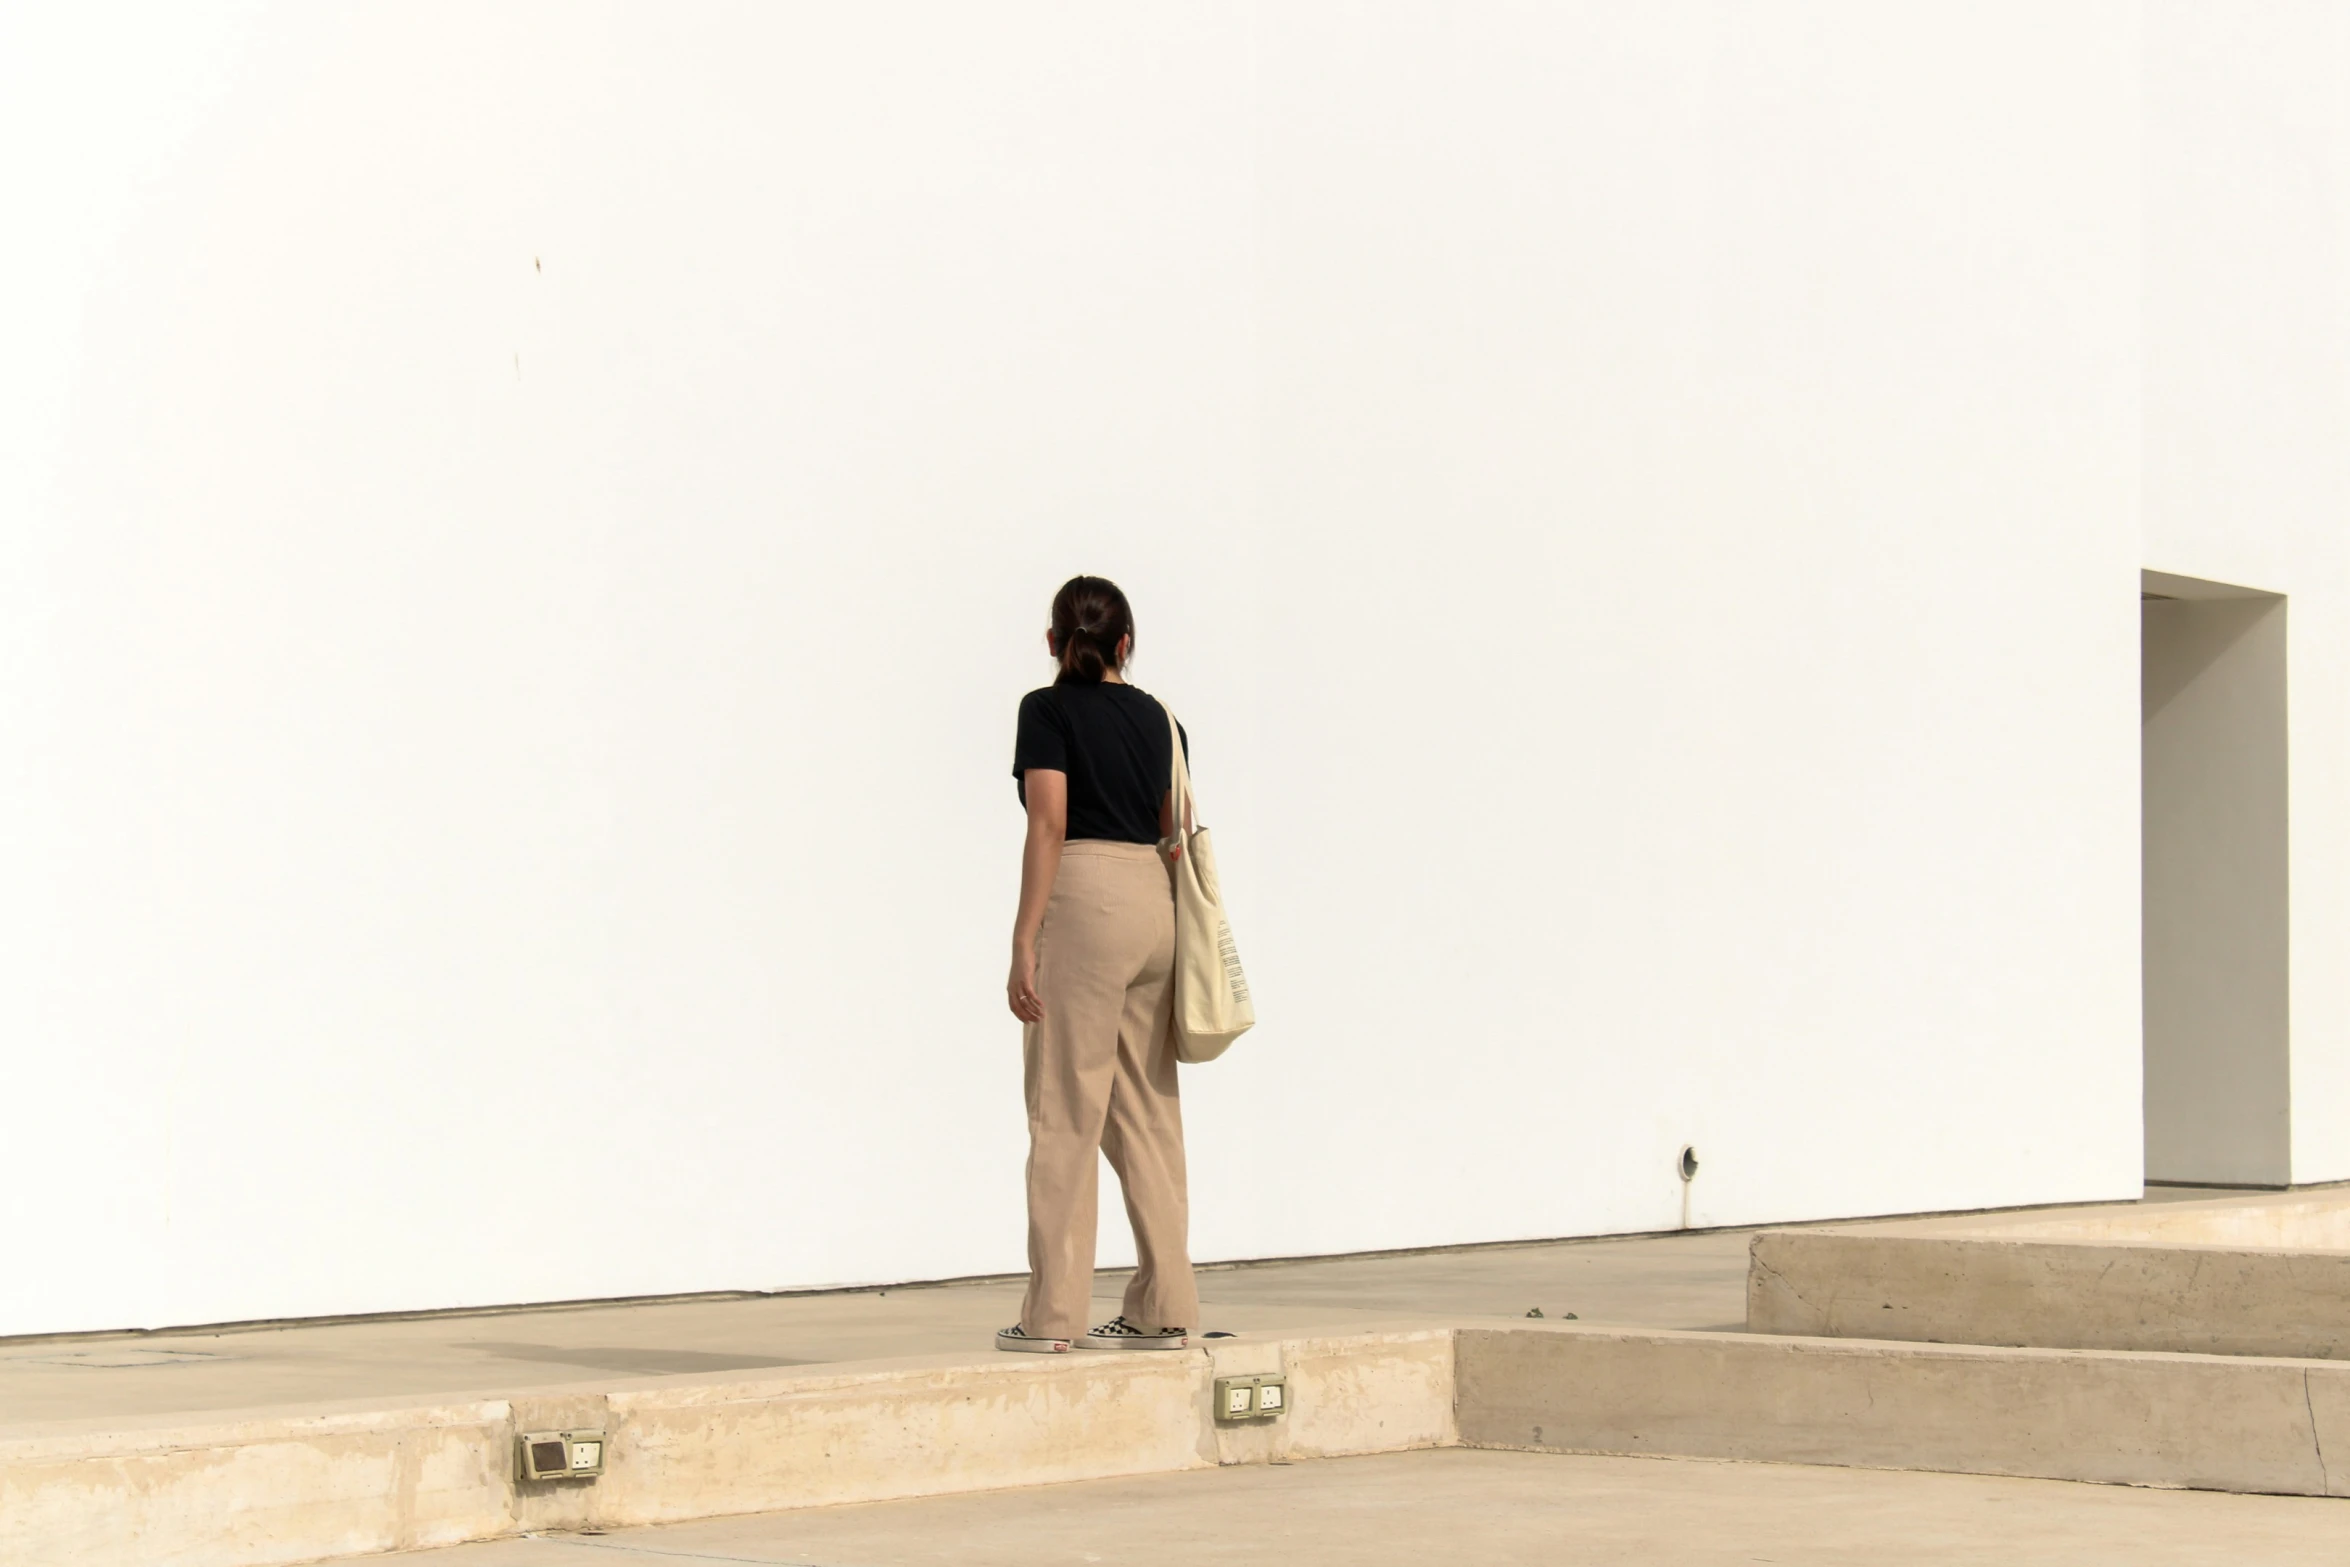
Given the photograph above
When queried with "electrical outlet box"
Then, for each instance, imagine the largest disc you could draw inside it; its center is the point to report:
(1263, 1397)
(561, 1455)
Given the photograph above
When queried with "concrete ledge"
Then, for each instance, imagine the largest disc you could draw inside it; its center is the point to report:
(2269, 1221)
(277, 1487)
(1989, 1288)
(2202, 1422)
(263, 1488)
(897, 1431)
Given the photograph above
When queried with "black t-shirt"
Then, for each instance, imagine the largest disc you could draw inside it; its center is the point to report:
(1111, 740)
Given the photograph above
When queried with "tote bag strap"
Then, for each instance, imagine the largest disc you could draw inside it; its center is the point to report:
(1178, 778)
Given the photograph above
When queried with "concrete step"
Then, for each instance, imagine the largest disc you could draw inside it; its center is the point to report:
(2201, 1422)
(2263, 1275)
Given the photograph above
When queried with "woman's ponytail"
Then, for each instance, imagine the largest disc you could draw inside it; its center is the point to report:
(1090, 619)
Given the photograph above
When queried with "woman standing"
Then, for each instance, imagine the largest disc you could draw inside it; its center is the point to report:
(1093, 954)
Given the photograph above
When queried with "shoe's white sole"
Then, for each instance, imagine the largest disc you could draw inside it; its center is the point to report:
(1090, 1342)
(1033, 1346)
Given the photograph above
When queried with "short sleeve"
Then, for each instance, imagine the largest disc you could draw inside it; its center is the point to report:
(1043, 738)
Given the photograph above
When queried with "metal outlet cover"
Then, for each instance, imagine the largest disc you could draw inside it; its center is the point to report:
(560, 1455)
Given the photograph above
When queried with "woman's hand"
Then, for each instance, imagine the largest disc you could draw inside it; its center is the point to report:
(1021, 987)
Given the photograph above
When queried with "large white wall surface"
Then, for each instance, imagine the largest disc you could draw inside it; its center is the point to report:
(2247, 420)
(528, 525)
(1700, 456)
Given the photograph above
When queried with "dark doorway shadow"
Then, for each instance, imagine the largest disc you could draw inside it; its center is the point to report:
(2215, 932)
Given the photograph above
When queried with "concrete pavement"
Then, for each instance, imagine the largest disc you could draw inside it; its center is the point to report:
(1695, 1280)
(1683, 1281)
(291, 1442)
(1490, 1509)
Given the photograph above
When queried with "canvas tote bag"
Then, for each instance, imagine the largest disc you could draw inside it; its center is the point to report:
(1212, 1006)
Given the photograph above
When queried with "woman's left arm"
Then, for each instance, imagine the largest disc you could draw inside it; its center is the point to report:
(1040, 862)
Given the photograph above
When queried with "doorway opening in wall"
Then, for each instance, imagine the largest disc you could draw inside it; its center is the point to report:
(2212, 748)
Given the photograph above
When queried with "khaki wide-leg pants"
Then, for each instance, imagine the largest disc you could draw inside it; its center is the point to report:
(1101, 1076)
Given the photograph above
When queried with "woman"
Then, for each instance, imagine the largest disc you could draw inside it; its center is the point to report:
(1093, 951)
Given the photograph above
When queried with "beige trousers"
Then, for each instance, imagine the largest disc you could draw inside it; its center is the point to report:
(1101, 1076)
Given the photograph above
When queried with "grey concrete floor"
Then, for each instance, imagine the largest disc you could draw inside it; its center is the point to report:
(1491, 1509)
(1687, 1281)
(1673, 1281)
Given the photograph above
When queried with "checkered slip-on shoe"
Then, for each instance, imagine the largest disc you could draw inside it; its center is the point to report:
(1013, 1338)
(1118, 1333)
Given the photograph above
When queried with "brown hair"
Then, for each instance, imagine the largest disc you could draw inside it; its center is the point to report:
(1090, 619)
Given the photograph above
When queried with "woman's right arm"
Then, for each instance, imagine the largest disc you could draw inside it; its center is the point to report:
(1040, 862)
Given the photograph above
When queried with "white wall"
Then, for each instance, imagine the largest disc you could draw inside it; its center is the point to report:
(2247, 422)
(533, 523)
